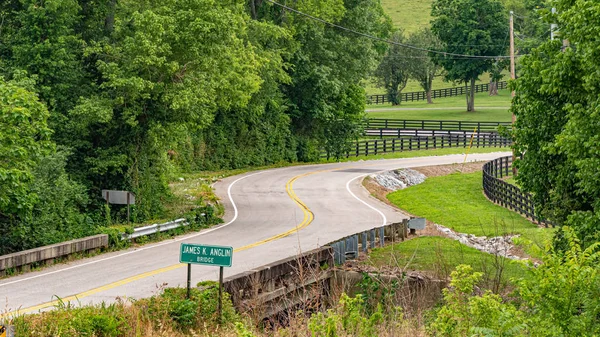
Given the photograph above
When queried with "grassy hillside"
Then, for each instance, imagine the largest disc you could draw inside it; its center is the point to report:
(410, 15)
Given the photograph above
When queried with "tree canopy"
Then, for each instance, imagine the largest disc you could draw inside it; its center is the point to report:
(127, 94)
(557, 129)
(469, 27)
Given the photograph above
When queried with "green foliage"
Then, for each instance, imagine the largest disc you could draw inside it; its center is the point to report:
(441, 256)
(324, 101)
(560, 298)
(563, 295)
(346, 319)
(557, 122)
(185, 313)
(167, 312)
(375, 294)
(66, 320)
(393, 71)
(530, 27)
(24, 140)
(420, 65)
(139, 91)
(41, 38)
(59, 212)
(465, 313)
(468, 27)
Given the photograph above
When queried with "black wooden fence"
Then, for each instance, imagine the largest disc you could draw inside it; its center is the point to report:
(437, 93)
(381, 123)
(505, 194)
(382, 146)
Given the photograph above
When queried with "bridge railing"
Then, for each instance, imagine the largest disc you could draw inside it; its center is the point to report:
(437, 93)
(508, 195)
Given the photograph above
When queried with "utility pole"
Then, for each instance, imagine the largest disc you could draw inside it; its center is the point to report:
(512, 77)
(512, 55)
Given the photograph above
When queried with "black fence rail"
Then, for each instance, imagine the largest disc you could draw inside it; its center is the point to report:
(402, 133)
(408, 124)
(437, 93)
(382, 146)
(505, 194)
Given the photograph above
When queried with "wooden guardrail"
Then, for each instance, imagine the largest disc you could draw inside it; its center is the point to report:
(505, 194)
(46, 254)
(437, 93)
(447, 125)
(381, 146)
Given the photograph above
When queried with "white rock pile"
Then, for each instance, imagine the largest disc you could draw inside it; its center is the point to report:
(399, 179)
(497, 245)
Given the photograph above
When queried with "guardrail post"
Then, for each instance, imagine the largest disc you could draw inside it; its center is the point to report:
(364, 240)
(381, 237)
(372, 237)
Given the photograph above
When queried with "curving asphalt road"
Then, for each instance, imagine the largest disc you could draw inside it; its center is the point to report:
(270, 215)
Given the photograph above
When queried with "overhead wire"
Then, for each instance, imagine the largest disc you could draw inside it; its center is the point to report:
(439, 52)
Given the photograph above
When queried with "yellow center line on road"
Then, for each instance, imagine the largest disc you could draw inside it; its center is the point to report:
(289, 187)
(308, 218)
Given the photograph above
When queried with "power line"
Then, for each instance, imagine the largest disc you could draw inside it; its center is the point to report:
(464, 56)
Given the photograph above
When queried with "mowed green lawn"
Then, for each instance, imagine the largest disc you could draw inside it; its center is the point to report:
(487, 108)
(457, 201)
(440, 256)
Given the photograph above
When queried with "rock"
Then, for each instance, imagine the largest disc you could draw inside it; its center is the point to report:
(498, 245)
(399, 179)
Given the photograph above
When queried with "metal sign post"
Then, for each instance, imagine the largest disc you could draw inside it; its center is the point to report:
(119, 198)
(209, 256)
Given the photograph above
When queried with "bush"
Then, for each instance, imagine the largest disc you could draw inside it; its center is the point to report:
(465, 313)
(59, 211)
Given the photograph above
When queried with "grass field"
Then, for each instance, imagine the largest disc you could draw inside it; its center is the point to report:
(409, 15)
(457, 201)
(412, 85)
(480, 115)
(487, 108)
(440, 256)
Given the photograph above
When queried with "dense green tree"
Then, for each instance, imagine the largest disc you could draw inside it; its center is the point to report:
(469, 27)
(40, 38)
(558, 125)
(326, 67)
(24, 140)
(393, 71)
(137, 91)
(39, 203)
(170, 67)
(531, 29)
(420, 63)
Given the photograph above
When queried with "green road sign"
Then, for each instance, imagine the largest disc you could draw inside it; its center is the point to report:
(207, 255)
